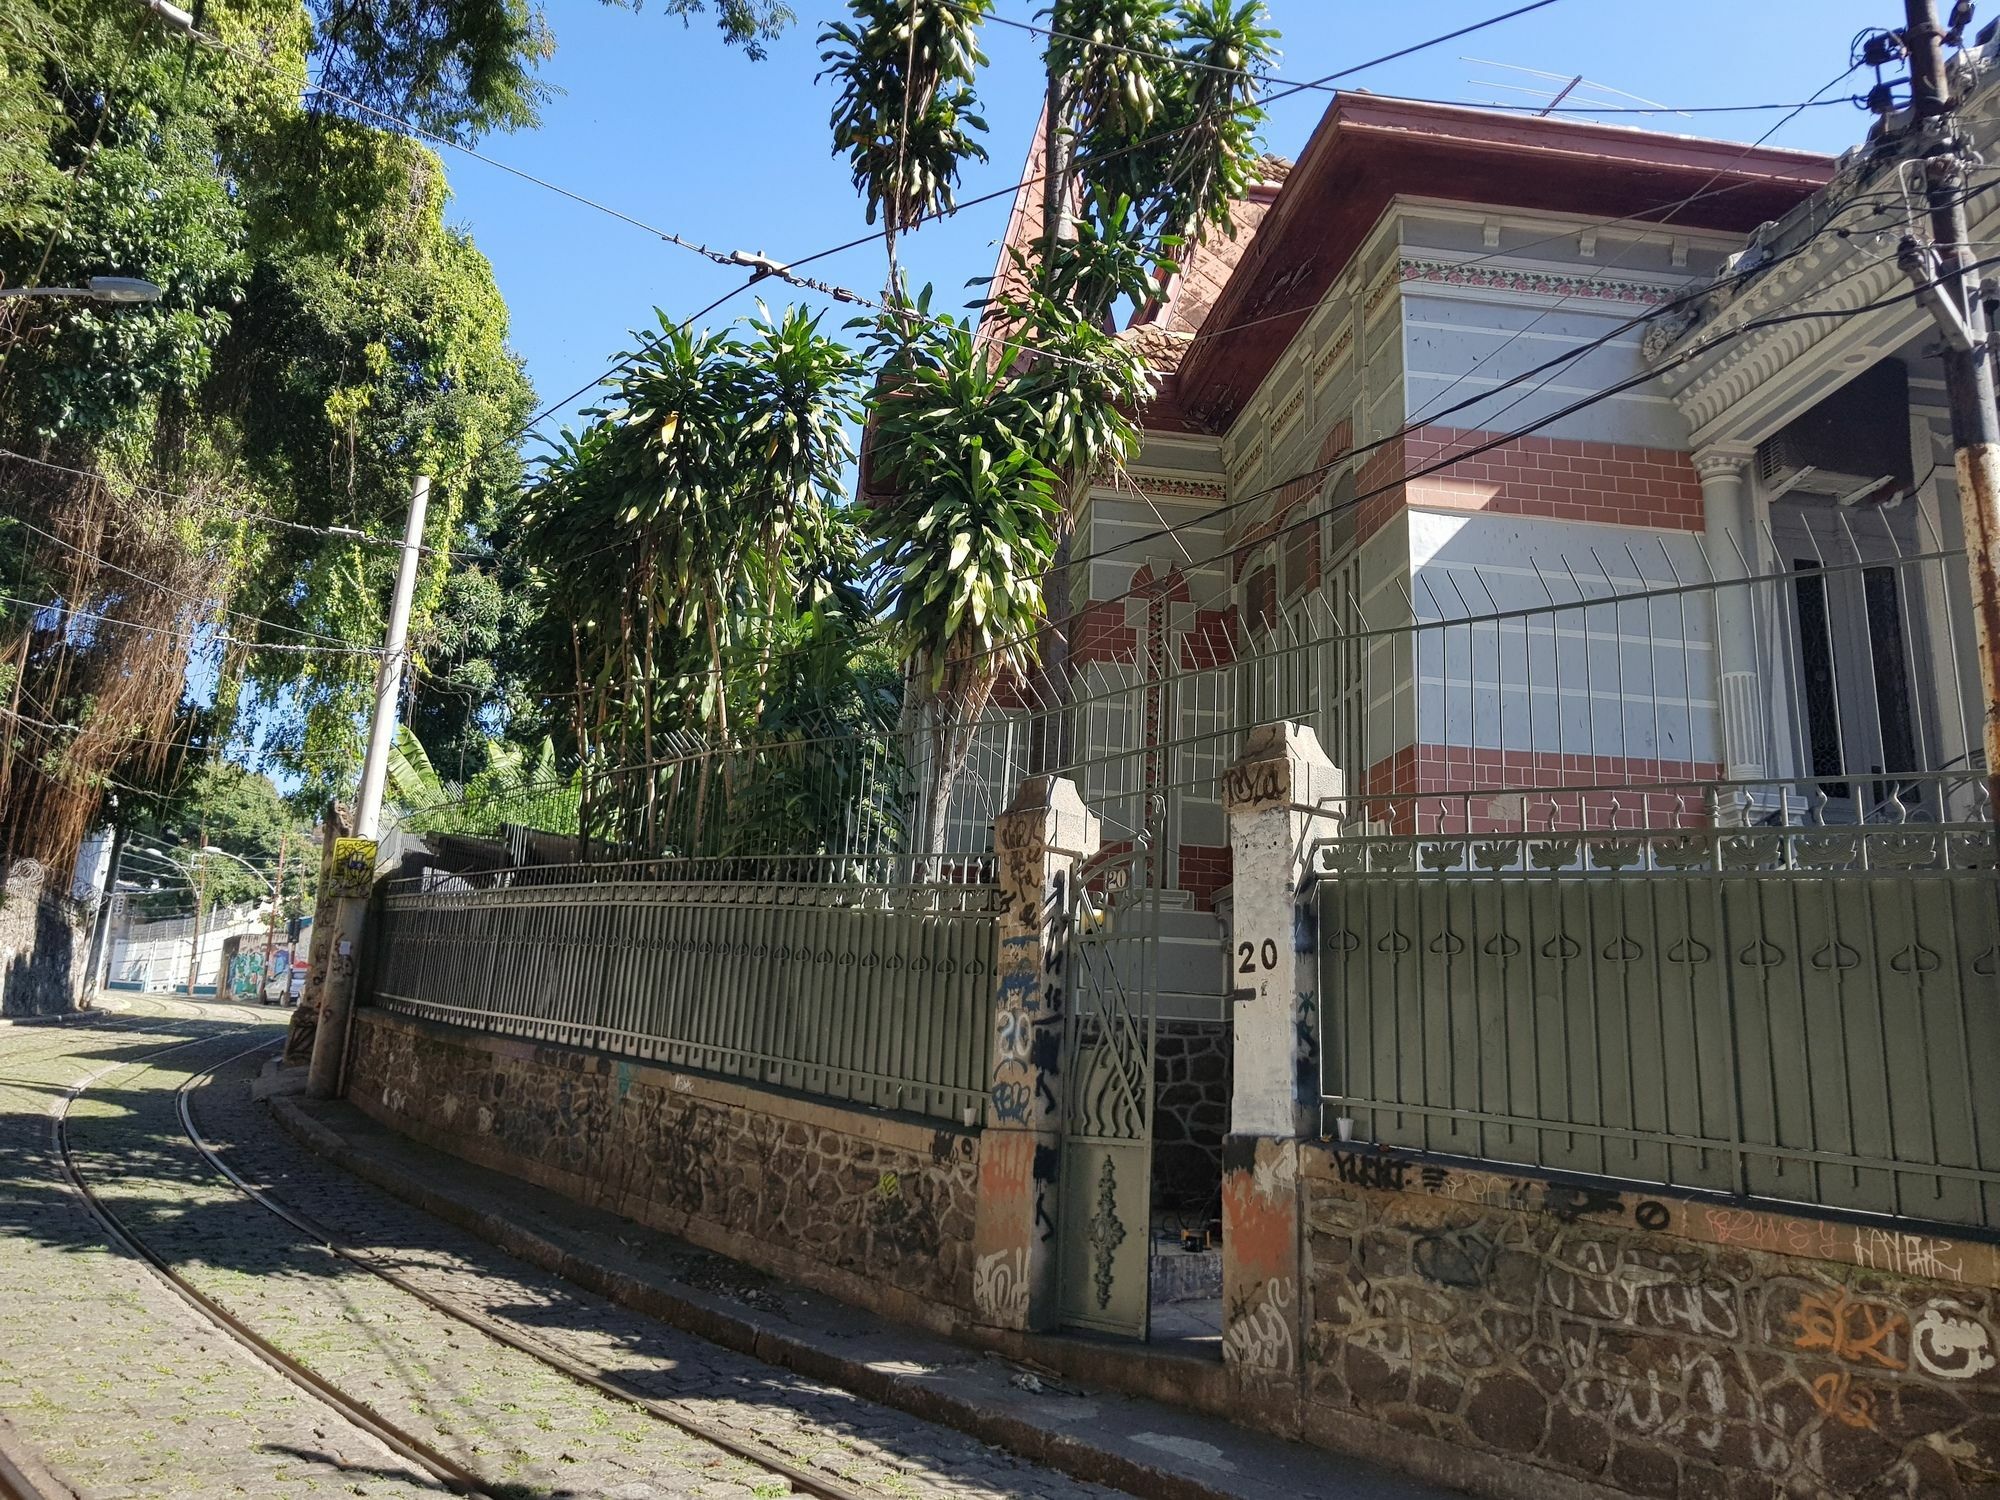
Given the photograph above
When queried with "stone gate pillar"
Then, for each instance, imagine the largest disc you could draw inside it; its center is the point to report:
(1277, 797)
(1039, 841)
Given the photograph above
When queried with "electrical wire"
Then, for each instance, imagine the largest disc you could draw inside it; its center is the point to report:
(1176, 60)
(1015, 188)
(338, 533)
(40, 606)
(1666, 217)
(1486, 445)
(167, 588)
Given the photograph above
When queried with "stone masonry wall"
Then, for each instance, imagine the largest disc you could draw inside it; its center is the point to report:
(1651, 1345)
(1190, 1114)
(44, 945)
(871, 1207)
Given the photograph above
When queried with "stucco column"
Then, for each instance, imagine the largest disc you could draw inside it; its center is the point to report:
(1277, 798)
(1731, 537)
(1039, 841)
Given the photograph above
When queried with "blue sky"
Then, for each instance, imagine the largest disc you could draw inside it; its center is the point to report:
(670, 126)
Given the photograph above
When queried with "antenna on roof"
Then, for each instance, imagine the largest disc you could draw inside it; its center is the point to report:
(1603, 92)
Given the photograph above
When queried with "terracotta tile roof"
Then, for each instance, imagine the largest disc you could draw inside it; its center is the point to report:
(1211, 263)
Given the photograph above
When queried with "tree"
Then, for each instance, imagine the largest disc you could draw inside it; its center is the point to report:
(323, 336)
(977, 445)
(223, 806)
(674, 539)
(320, 330)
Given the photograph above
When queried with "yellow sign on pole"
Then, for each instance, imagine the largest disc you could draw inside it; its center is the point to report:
(353, 869)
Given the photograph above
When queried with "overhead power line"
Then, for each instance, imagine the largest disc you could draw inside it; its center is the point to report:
(1666, 216)
(336, 532)
(181, 594)
(222, 638)
(1173, 59)
(1487, 445)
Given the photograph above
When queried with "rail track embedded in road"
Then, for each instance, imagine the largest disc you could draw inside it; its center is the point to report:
(801, 1479)
(406, 1445)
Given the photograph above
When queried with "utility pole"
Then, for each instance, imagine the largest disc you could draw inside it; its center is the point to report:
(200, 889)
(324, 1076)
(389, 678)
(1944, 287)
(100, 929)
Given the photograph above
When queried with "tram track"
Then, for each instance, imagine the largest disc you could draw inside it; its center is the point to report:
(405, 1445)
(413, 1448)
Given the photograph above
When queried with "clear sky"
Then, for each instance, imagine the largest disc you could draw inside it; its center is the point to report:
(669, 125)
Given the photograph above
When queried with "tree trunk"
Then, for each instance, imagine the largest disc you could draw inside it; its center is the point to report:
(954, 727)
(305, 1017)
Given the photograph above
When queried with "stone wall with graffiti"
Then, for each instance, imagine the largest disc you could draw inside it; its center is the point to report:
(1656, 1345)
(868, 1206)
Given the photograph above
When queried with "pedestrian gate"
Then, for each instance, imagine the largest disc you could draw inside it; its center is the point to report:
(1107, 1076)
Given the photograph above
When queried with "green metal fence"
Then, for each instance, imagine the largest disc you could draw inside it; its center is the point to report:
(1804, 1015)
(813, 976)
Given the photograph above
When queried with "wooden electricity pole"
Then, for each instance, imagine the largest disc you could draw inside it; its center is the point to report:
(1946, 288)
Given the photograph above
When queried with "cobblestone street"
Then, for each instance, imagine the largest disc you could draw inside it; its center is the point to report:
(93, 1342)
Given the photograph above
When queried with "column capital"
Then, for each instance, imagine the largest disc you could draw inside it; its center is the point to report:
(1047, 816)
(1723, 461)
(1282, 765)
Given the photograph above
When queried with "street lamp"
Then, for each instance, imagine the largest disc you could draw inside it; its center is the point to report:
(97, 289)
(212, 849)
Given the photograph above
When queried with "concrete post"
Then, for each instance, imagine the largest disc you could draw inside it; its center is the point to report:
(1277, 798)
(1040, 840)
(347, 874)
(1731, 540)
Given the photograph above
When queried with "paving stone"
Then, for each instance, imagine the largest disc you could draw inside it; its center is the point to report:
(114, 1352)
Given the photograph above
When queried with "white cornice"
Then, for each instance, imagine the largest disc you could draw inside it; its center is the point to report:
(1742, 386)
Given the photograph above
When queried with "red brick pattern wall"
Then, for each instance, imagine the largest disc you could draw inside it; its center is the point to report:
(1417, 771)
(1204, 870)
(1210, 641)
(1101, 634)
(1561, 478)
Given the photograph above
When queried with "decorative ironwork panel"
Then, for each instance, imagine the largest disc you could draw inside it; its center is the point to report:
(1107, 1086)
(1811, 1016)
(872, 994)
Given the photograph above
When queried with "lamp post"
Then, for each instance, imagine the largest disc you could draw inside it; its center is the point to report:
(112, 289)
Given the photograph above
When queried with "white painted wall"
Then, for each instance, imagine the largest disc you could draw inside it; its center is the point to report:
(154, 955)
(1634, 679)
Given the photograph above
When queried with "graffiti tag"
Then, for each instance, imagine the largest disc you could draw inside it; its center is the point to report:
(1951, 1348)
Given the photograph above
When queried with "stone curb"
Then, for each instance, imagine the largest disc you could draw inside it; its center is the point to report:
(23, 1473)
(687, 1310)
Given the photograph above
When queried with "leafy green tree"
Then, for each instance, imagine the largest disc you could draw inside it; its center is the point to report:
(673, 538)
(223, 806)
(748, 24)
(323, 336)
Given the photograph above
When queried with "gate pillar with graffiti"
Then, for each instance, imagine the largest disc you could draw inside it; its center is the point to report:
(1039, 842)
(1276, 797)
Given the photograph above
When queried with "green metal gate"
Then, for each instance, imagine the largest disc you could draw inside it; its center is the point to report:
(1807, 1016)
(1107, 1088)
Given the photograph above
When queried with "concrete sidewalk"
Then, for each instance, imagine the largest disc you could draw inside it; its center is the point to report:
(1147, 1448)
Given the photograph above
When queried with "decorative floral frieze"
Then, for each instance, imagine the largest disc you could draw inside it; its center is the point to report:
(1536, 283)
(1281, 423)
(1331, 356)
(1159, 486)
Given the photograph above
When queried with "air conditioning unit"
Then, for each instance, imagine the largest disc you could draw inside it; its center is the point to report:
(1853, 446)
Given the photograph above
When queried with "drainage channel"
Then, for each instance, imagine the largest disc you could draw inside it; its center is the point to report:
(447, 1471)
